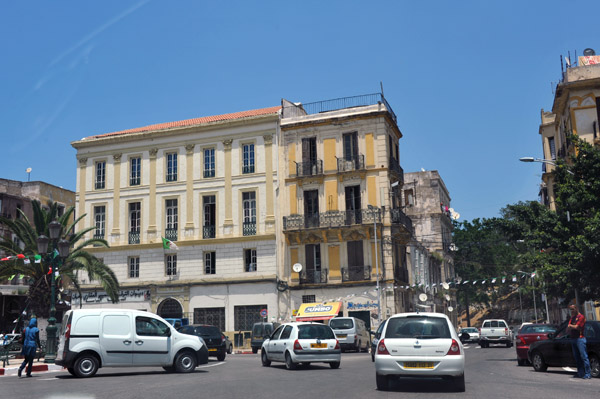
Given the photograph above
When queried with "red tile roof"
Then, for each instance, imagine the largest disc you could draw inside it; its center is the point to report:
(194, 121)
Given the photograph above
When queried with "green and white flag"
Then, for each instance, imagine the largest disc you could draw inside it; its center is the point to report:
(168, 244)
(37, 258)
(514, 278)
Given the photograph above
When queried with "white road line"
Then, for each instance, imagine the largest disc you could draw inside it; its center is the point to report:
(210, 365)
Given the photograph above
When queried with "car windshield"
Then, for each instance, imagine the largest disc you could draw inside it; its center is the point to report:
(422, 327)
(315, 331)
(470, 329)
(338, 324)
(532, 329)
(257, 330)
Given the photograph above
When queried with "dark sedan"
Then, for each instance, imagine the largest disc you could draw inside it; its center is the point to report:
(214, 338)
(528, 334)
(556, 350)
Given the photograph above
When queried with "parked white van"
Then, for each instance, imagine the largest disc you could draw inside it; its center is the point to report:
(351, 332)
(94, 338)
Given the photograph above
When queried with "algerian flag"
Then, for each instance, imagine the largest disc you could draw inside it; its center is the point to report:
(37, 258)
(26, 261)
(168, 244)
(533, 275)
(503, 279)
(514, 278)
(494, 280)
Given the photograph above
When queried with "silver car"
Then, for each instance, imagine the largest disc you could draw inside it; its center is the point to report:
(301, 343)
(420, 345)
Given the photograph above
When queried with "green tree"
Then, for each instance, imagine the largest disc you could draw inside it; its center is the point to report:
(79, 260)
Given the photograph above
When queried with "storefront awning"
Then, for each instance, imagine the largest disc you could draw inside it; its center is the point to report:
(318, 311)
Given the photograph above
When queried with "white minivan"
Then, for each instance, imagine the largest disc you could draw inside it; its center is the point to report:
(94, 338)
(351, 332)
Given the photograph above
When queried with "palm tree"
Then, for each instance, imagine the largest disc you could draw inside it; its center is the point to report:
(37, 274)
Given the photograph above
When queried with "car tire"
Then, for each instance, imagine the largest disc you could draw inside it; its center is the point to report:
(382, 381)
(254, 350)
(334, 365)
(221, 356)
(264, 358)
(459, 383)
(594, 366)
(230, 349)
(508, 345)
(289, 364)
(372, 355)
(185, 362)
(538, 362)
(85, 366)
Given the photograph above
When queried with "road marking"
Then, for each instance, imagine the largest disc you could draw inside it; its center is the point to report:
(210, 365)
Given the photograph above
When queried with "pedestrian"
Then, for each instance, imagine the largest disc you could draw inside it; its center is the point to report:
(576, 328)
(31, 341)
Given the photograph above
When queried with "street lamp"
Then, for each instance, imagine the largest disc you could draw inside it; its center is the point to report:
(534, 302)
(548, 161)
(63, 246)
(373, 209)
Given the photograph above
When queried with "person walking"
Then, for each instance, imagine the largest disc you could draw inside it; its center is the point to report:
(576, 328)
(31, 341)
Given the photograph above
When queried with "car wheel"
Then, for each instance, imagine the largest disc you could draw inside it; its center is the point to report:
(334, 365)
(71, 370)
(221, 356)
(230, 349)
(595, 366)
(264, 358)
(521, 362)
(254, 350)
(383, 382)
(538, 362)
(185, 362)
(86, 366)
(459, 383)
(372, 355)
(289, 364)
(169, 369)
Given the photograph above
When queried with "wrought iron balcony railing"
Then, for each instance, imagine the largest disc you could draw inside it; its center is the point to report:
(99, 236)
(312, 168)
(351, 163)
(313, 276)
(397, 170)
(171, 234)
(399, 217)
(209, 173)
(249, 229)
(248, 169)
(356, 273)
(332, 219)
(134, 237)
(134, 181)
(209, 231)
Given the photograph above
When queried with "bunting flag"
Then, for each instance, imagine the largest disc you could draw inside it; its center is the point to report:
(50, 270)
(37, 258)
(514, 278)
(494, 280)
(533, 275)
(465, 282)
(11, 277)
(21, 276)
(26, 261)
(503, 279)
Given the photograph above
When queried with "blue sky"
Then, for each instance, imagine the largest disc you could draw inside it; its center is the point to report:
(467, 79)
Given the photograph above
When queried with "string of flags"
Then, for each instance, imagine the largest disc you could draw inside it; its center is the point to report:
(26, 260)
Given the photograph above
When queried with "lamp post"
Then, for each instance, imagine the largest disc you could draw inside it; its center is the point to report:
(373, 209)
(54, 230)
(548, 161)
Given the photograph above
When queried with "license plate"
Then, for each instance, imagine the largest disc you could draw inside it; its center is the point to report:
(418, 365)
(318, 345)
(341, 335)
(212, 350)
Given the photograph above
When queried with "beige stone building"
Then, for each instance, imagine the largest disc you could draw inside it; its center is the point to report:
(339, 162)
(206, 184)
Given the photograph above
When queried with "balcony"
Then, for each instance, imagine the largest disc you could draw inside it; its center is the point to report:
(399, 217)
(171, 234)
(313, 276)
(356, 273)
(99, 236)
(312, 168)
(134, 181)
(249, 229)
(209, 231)
(396, 169)
(331, 219)
(134, 237)
(351, 164)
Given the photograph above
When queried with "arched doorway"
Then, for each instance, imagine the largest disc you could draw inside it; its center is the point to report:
(170, 309)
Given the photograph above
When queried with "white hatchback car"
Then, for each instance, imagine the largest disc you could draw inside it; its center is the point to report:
(420, 345)
(301, 343)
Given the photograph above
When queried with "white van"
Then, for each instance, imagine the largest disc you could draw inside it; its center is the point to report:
(351, 332)
(94, 338)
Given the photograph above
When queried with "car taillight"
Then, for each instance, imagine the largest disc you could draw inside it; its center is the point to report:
(68, 331)
(522, 340)
(337, 344)
(479, 330)
(454, 348)
(297, 346)
(381, 349)
(505, 330)
(222, 338)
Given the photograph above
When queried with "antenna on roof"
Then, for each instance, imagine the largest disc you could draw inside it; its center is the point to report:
(562, 71)
(381, 85)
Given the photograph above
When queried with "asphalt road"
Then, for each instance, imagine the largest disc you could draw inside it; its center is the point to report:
(490, 372)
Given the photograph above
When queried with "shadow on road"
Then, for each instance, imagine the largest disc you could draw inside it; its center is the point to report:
(139, 373)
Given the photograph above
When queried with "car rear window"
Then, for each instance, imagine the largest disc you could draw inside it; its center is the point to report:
(207, 331)
(469, 330)
(422, 327)
(311, 331)
(340, 324)
(494, 324)
(529, 329)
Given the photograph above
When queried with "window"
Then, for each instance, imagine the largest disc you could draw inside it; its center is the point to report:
(171, 267)
(249, 208)
(308, 299)
(248, 157)
(209, 262)
(409, 197)
(287, 331)
(135, 172)
(250, 260)
(552, 147)
(172, 166)
(246, 316)
(148, 326)
(209, 226)
(19, 210)
(210, 316)
(209, 162)
(100, 175)
(134, 267)
(172, 219)
(134, 222)
(350, 146)
(100, 221)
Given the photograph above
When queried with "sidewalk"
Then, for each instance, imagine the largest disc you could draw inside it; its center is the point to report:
(38, 367)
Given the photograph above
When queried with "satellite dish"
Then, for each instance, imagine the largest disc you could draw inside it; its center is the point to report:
(445, 285)
(423, 297)
(28, 170)
(447, 297)
(450, 308)
(589, 51)
(297, 267)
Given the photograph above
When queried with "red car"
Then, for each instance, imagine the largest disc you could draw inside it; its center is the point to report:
(529, 334)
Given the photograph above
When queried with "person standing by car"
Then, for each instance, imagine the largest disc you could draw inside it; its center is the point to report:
(31, 340)
(575, 328)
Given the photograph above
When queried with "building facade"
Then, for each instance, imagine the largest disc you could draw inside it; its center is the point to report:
(207, 185)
